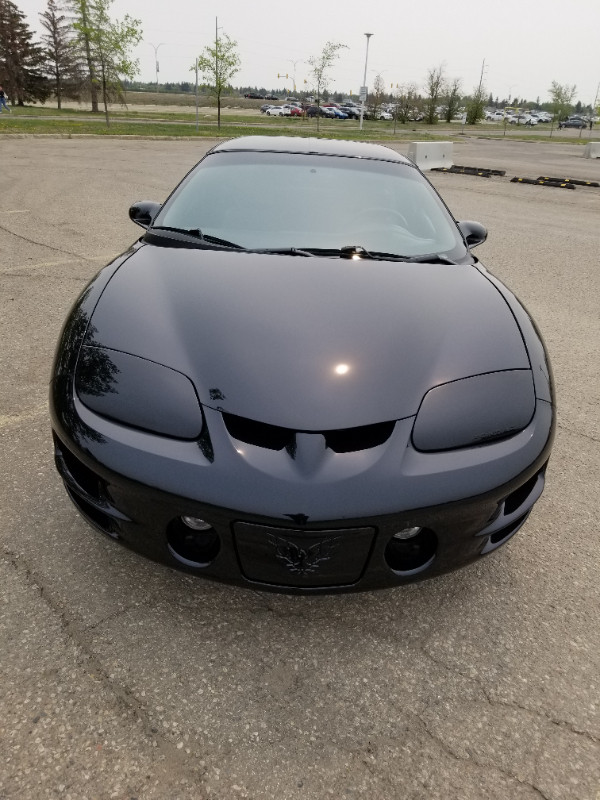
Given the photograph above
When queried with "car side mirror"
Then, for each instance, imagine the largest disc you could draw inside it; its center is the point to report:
(143, 212)
(473, 233)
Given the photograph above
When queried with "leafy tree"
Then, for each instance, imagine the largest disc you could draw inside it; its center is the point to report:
(435, 89)
(21, 59)
(562, 98)
(219, 63)
(453, 98)
(319, 69)
(62, 62)
(405, 100)
(106, 44)
(475, 106)
(81, 16)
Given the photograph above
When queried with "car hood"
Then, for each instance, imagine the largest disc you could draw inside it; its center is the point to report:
(307, 343)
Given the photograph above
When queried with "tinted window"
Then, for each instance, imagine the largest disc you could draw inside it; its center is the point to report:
(307, 201)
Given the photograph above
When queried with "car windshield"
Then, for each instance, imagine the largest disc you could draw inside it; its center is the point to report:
(261, 200)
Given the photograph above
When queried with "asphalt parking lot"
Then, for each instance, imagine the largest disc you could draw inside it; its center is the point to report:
(121, 678)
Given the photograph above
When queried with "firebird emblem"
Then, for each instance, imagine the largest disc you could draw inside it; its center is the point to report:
(303, 560)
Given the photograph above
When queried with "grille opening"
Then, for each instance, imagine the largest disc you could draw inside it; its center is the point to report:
(274, 437)
(191, 547)
(349, 440)
(94, 515)
(408, 556)
(260, 434)
(505, 533)
(519, 496)
(82, 475)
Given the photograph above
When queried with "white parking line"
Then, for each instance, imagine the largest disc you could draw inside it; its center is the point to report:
(6, 420)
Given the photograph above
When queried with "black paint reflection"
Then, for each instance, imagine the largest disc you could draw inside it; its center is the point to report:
(95, 367)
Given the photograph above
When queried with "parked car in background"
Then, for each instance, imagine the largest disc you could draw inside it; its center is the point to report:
(385, 115)
(337, 112)
(353, 112)
(319, 111)
(254, 96)
(523, 119)
(264, 108)
(296, 111)
(278, 111)
(495, 116)
(573, 122)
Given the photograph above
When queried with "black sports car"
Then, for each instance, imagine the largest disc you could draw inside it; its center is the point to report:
(300, 378)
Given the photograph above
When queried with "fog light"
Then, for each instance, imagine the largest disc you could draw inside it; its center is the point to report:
(192, 541)
(410, 551)
(196, 524)
(407, 533)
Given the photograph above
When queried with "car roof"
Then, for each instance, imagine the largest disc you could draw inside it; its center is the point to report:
(310, 146)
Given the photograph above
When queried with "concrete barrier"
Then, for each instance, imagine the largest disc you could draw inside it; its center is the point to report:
(431, 155)
(592, 150)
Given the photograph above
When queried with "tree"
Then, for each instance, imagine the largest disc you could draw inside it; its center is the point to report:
(475, 106)
(562, 98)
(106, 44)
(435, 89)
(319, 69)
(21, 59)
(405, 100)
(452, 99)
(62, 63)
(378, 95)
(218, 64)
(81, 23)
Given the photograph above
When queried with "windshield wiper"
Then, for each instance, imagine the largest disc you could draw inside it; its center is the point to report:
(284, 251)
(196, 233)
(357, 252)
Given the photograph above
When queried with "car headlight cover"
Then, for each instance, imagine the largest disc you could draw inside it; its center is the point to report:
(138, 392)
(474, 410)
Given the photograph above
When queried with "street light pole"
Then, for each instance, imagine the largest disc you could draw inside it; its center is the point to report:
(196, 66)
(299, 61)
(156, 66)
(363, 88)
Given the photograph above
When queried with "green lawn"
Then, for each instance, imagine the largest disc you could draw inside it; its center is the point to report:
(129, 122)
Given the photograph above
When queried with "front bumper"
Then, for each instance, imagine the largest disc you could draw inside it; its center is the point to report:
(297, 555)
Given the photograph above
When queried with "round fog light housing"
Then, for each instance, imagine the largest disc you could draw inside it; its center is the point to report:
(196, 524)
(410, 554)
(407, 533)
(193, 546)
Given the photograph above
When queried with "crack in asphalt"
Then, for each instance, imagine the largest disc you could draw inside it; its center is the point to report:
(39, 244)
(574, 432)
(94, 670)
(540, 713)
(472, 758)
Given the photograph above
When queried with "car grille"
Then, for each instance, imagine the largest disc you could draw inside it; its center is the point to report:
(274, 437)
